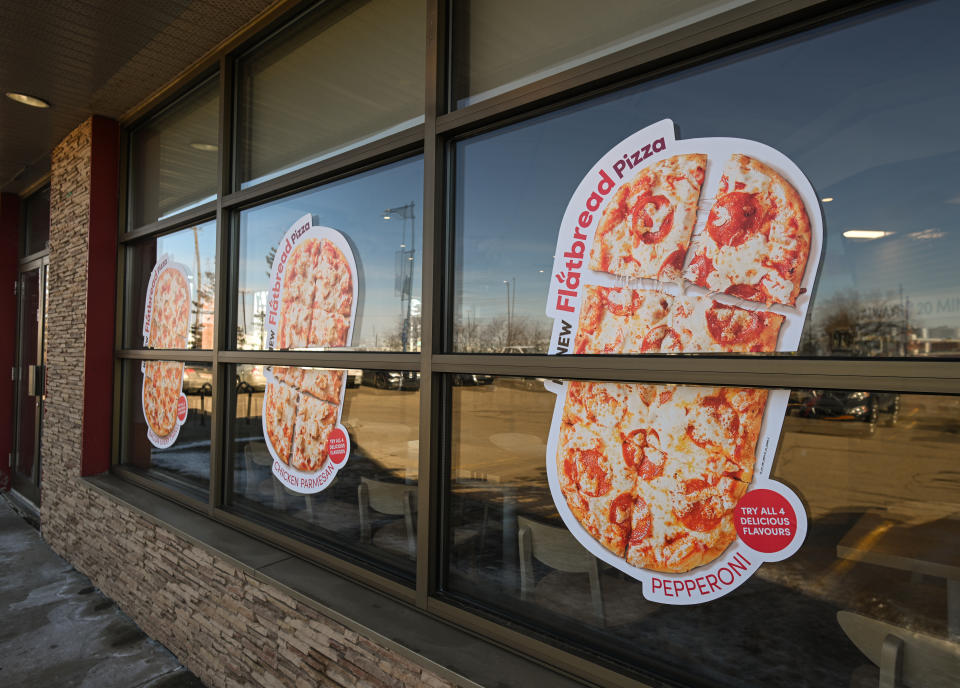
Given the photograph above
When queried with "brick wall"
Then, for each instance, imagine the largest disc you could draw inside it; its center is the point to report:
(227, 627)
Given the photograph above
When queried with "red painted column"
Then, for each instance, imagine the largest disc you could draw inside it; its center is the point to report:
(9, 259)
(101, 296)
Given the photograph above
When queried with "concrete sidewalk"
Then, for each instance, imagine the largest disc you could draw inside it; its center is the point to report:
(56, 629)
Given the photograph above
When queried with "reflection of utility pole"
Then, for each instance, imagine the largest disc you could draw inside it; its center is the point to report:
(196, 250)
(511, 303)
(403, 286)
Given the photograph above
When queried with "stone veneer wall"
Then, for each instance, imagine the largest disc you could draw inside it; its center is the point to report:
(224, 625)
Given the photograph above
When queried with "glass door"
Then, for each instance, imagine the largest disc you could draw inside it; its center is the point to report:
(29, 371)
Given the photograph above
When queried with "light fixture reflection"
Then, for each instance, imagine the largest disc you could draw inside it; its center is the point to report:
(827, 199)
(865, 233)
(24, 99)
(206, 147)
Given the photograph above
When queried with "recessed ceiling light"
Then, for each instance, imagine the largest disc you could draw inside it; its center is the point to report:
(208, 147)
(865, 233)
(827, 199)
(24, 99)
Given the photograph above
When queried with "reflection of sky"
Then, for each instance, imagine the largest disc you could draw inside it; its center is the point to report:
(865, 107)
(355, 207)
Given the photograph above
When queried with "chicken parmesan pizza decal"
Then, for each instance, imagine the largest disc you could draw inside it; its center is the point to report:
(680, 246)
(166, 324)
(311, 306)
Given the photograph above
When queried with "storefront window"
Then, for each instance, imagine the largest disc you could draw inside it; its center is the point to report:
(370, 509)
(173, 157)
(372, 228)
(502, 45)
(174, 275)
(345, 77)
(879, 530)
(891, 222)
(167, 408)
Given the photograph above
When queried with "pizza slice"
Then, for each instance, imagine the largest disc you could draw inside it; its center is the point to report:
(682, 519)
(288, 375)
(322, 384)
(704, 324)
(713, 429)
(293, 329)
(280, 412)
(645, 229)
(757, 238)
(170, 319)
(332, 300)
(314, 421)
(162, 384)
(597, 484)
(620, 320)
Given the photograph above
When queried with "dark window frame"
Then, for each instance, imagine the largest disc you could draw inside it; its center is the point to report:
(730, 32)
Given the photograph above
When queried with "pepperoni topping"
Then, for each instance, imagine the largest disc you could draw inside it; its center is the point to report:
(622, 301)
(652, 466)
(661, 338)
(570, 470)
(701, 266)
(698, 509)
(642, 522)
(698, 175)
(735, 218)
(786, 266)
(621, 509)
(594, 480)
(673, 264)
(750, 292)
(643, 220)
(731, 325)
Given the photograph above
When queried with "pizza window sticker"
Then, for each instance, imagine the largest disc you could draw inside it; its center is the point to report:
(680, 246)
(166, 322)
(311, 306)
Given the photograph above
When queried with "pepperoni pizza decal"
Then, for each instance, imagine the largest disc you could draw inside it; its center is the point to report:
(667, 246)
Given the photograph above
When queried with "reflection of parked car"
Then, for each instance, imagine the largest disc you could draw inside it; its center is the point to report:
(392, 379)
(253, 376)
(838, 405)
(354, 377)
(472, 379)
(197, 381)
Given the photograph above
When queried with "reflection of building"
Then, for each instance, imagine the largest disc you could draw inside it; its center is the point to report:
(410, 569)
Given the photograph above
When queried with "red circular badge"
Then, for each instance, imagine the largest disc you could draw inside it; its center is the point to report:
(765, 520)
(337, 445)
(182, 408)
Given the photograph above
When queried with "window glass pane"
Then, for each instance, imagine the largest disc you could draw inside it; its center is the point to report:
(500, 45)
(35, 231)
(364, 269)
(175, 273)
(173, 446)
(173, 157)
(350, 75)
(888, 291)
(879, 553)
(367, 510)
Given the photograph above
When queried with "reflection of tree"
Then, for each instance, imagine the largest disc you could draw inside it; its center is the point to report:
(851, 323)
(495, 334)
